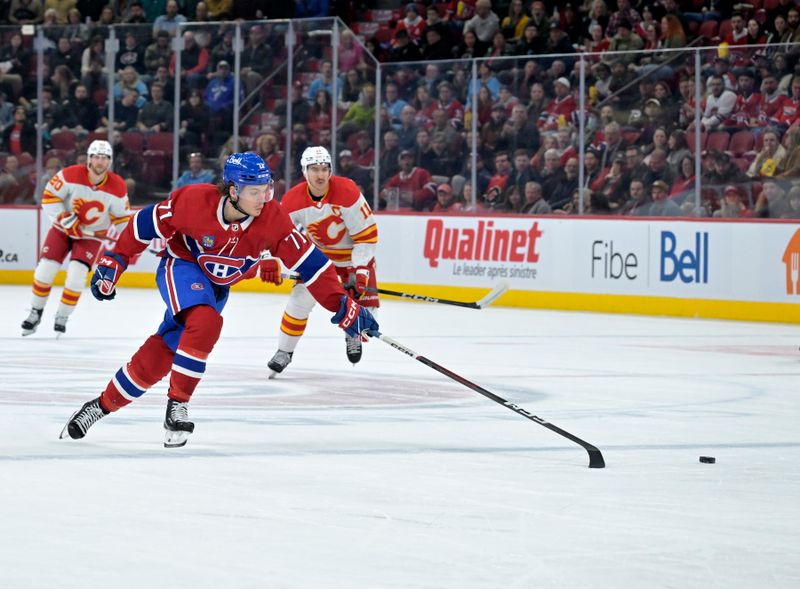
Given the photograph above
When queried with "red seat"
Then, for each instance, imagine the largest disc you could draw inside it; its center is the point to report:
(709, 29)
(95, 136)
(63, 140)
(160, 142)
(741, 142)
(690, 136)
(25, 160)
(718, 141)
(725, 28)
(770, 4)
(133, 141)
(156, 168)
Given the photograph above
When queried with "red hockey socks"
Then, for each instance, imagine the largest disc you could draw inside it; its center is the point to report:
(149, 365)
(202, 326)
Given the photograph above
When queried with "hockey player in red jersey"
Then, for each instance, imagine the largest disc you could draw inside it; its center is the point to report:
(215, 236)
(83, 202)
(336, 217)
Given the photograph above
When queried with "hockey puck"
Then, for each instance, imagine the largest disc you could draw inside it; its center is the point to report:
(708, 459)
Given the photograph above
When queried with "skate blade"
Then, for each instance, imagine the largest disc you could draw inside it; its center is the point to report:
(28, 332)
(272, 375)
(65, 432)
(175, 439)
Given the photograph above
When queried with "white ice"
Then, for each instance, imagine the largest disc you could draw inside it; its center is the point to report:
(390, 475)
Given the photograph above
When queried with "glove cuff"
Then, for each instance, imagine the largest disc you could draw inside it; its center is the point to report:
(119, 259)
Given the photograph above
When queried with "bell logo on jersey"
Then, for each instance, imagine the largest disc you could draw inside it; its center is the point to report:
(327, 231)
(223, 270)
(84, 209)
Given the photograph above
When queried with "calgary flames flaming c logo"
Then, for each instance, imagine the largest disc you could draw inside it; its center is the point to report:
(327, 231)
(85, 210)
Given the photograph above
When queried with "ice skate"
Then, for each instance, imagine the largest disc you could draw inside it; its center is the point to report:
(177, 424)
(353, 345)
(60, 326)
(279, 361)
(32, 322)
(83, 419)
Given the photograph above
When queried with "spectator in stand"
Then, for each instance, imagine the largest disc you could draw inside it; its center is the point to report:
(129, 81)
(196, 174)
(25, 12)
(351, 55)
(771, 157)
(393, 104)
(412, 23)
(257, 58)
(156, 115)
(80, 115)
(661, 206)
(598, 15)
(363, 153)
(684, 180)
(558, 43)
(414, 185)
(677, 148)
(445, 200)
(634, 162)
(440, 160)
(620, 85)
(560, 110)
(389, 156)
(169, 20)
(320, 115)
(195, 120)
(638, 201)
(539, 16)
(6, 112)
(537, 102)
(732, 205)
(625, 40)
(65, 54)
(9, 186)
(450, 104)
(350, 89)
(484, 24)
(17, 64)
(624, 13)
(194, 62)
(20, 136)
(738, 32)
(754, 34)
(361, 114)
(525, 135)
(435, 48)
(772, 202)
(301, 109)
(793, 208)
(407, 130)
(126, 112)
(596, 43)
(158, 53)
(748, 102)
(610, 186)
(721, 170)
(533, 203)
(134, 15)
(268, 147)
(612, 144)
(560, 186)
(523, 171)
(531, 43)
(358, 174)
(223, 49)
(63, 84)
(719, 104)
(658, 169)
(771, 99)
(403, 49)
(324, 80)
(495, 195)
(94, 51)
(789, 113)
(468, 48)
(131, 55)
(513, 25)
(659, 140)
(790, 168)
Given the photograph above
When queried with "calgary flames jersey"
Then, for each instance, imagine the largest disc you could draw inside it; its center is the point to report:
(341, 224)
(191, 222)
(97, 207)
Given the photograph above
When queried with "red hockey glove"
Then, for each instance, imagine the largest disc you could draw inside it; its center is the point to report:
(269, 270)
(69, 223)
(358, 281)
(105, 277)
(354, 318)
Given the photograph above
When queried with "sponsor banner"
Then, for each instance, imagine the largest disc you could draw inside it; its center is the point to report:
(18, 245)
(702, 259)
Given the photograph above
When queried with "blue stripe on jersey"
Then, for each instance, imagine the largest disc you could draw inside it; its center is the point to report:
(146, 225)
(127, 386)
(193, 246)
(311, 265)
(189, 363)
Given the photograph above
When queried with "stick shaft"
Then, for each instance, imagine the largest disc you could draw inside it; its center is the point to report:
(595, 456)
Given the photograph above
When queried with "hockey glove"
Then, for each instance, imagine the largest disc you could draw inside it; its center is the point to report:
(269, 270)
(358, 281)
(69, 223)
(354, 318)
(105, 277)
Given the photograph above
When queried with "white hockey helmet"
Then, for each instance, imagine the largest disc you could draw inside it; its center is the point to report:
(100, 147)
(314, 155)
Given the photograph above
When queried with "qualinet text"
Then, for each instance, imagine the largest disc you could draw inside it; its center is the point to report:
(480, 243)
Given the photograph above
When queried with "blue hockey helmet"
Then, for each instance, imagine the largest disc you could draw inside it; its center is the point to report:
(246, 169)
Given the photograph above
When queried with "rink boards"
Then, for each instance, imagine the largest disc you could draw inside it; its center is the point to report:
(706, 268)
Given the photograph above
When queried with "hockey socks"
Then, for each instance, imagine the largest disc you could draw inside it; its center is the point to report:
(202, 327)
(148, 366)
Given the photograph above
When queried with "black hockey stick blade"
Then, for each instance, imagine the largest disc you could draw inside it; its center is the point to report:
(491, 296)
(595, 456)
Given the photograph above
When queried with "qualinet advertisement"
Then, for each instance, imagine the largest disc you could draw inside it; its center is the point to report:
(680, 259)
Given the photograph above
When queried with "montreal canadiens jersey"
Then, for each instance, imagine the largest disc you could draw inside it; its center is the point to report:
(341, 224)
(191, 222)
(98, 207)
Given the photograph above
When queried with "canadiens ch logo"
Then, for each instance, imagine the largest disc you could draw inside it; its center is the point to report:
(223, 270)
(197, 286)
(208, 241)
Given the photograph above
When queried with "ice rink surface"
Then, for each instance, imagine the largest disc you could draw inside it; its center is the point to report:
(388, 474)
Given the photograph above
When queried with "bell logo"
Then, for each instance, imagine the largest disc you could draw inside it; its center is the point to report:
(791, 259)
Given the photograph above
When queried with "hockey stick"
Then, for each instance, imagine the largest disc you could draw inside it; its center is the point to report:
(595, 456)
(491, 297)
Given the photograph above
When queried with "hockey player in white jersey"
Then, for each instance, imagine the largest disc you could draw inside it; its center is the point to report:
(338, 219)
(83, 202)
